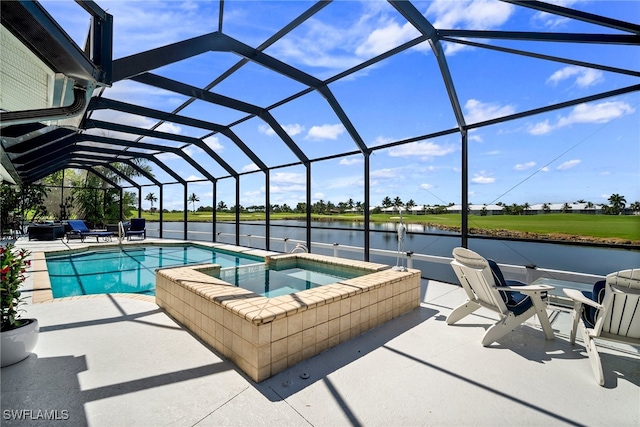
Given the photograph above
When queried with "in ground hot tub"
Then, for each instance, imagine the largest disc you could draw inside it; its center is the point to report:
(264, 336)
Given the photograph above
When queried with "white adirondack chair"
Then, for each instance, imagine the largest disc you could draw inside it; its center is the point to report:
(485, 287)
(617, 317)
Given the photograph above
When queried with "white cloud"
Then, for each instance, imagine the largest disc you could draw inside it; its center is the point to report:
(384, 173)
(540, 128)
(596, 113)
(343, 43)
(476, 14)
(424, 150)
(568, 165)
(426, 186)
(584, 77)
(385, 38)
(164, 157)
(351, 161)
(482, 178)
(170, 128)
(524, 166)
(158, 22)
(214, 143)
(288, 177)
(478, 111)
(251, 196)
(381, 140)
(549, 20)
(603, 112)
(325, 131)
(291, 130)
(250, 167)
(194, 178)
(318, 196)
(266, 129)
(287, 189)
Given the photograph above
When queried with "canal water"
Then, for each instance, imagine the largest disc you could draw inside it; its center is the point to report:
(581, 259)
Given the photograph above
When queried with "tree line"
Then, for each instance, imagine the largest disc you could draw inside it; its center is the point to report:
(617, 205)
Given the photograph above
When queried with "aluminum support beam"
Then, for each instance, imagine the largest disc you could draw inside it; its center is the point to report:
(90, 123)
(185, 212)
(267, 209)
(104, 103)
(161, 209)
(213, 98)
(464, 219)
(214, 214)
(624, 39)
(238, 211)
(576, 14)
(308, 170)
(367, 204)
(411, 14)
(130, 66)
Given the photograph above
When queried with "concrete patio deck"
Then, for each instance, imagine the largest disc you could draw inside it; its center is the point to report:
(119, 360)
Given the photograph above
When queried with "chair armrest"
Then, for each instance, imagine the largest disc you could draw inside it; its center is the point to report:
(578, 296)
(527, 289)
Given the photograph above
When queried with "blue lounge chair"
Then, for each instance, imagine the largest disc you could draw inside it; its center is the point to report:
(79, 228)
(137, 228)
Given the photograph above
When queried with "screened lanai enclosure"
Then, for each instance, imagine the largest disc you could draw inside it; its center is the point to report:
(271, 104)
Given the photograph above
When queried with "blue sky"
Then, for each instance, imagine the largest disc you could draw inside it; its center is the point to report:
(588, 151)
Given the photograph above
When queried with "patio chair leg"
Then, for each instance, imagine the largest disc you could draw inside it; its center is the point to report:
(576, 314)
(541, 311)
(501, 328)
(462, 311)
(594, 356)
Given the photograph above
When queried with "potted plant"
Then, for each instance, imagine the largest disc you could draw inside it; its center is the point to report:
(18, 336)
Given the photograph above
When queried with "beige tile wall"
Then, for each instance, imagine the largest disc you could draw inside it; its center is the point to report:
(264, 336)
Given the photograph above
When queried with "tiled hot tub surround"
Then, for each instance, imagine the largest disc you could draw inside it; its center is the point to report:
(264, 336)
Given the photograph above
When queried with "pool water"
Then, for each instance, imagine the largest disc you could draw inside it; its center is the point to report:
(128, 270)
(272, 283)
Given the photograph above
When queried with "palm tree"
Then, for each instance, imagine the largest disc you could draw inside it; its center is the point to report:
(350, 203)
(635, 206)
(566, 208)
(617, 203)
(193, 199)
(386, 202)
(546, 208)
(397, 202)
(151, 198)
(221, 206)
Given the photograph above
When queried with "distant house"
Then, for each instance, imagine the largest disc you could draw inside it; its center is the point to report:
(477, 209)
(579, 208)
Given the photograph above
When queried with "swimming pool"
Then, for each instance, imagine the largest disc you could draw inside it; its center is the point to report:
(129, 269)
(271, 282)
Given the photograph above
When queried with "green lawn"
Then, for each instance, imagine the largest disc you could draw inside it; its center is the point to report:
(622, 227)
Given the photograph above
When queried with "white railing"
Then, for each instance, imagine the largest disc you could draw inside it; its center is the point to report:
(516, 272)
